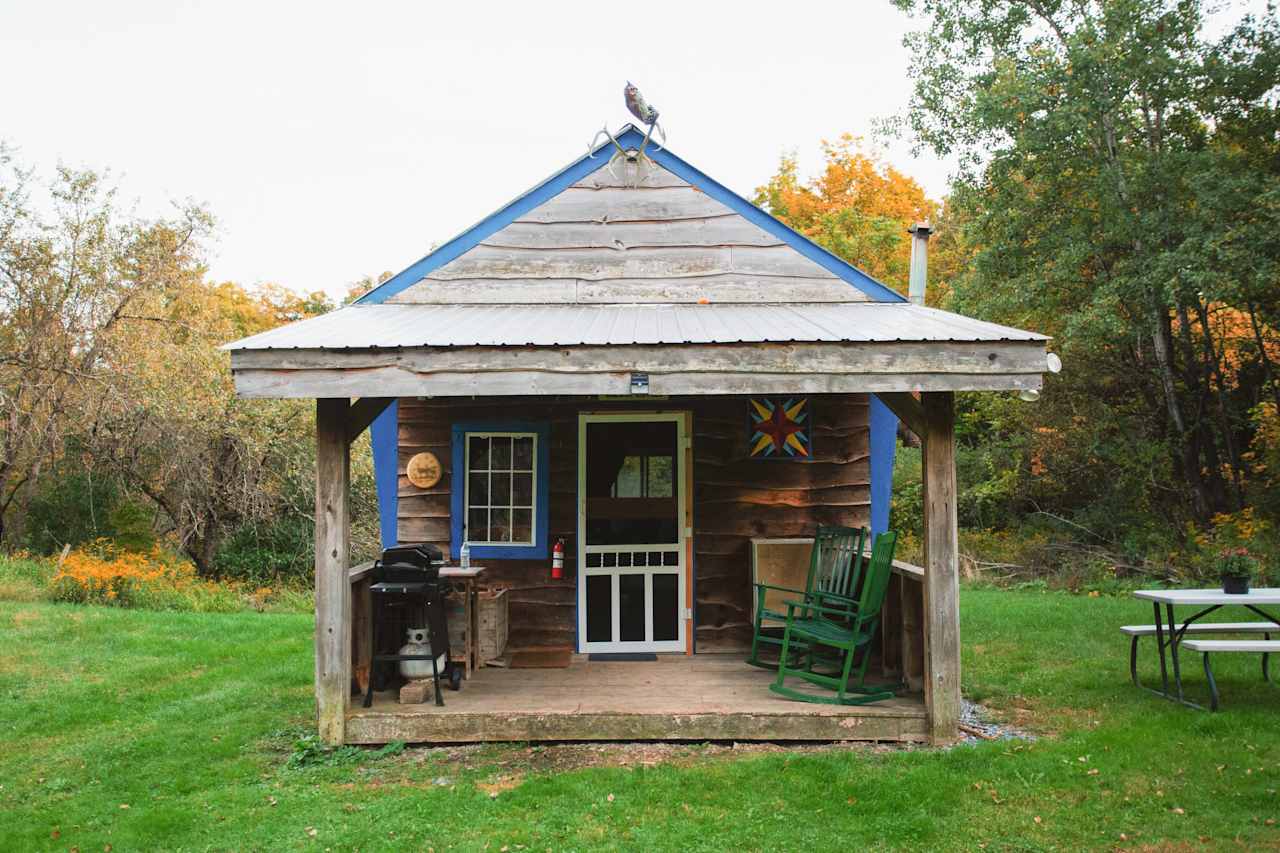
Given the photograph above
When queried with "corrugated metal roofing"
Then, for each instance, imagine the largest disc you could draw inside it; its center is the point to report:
(400, 326)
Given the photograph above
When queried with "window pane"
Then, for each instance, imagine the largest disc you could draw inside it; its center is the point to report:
(479, 494)
(522, 489)
(660, 477)
(599, 608)
(631, 608)
(522, 453)
(665, 607)
(478, 525)
(499, 525)
(479, 457)
(521, 525)
(500, 489)
(627, 483)
(501, 458)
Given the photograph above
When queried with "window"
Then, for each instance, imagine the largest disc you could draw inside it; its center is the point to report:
(643, 477)
(500, 476)
(499, 490)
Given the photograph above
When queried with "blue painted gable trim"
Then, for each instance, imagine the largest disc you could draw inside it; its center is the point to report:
(579, 169)
(457, 491)
(884, 444)
(384, 434)
(469, 239)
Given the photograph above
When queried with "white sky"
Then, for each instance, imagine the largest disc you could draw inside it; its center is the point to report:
(333, 142)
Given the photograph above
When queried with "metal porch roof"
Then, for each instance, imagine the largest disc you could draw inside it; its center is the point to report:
(388, 326)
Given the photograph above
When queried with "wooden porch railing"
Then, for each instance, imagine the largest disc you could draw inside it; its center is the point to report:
(902, 626)
(361, 629)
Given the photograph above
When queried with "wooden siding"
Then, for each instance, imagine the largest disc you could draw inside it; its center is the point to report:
(603, 241)
(734, 499)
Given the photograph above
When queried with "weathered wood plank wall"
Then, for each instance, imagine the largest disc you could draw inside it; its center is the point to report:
(734, 499)
(601, 241)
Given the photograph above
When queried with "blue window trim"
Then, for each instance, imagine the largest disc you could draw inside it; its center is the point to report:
(458, 491)
(629, 137)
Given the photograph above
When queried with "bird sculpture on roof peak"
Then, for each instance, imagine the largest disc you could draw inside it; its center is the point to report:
(640, 166)
(640, 108)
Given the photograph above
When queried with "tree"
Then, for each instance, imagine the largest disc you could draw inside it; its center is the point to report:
(858, 207)
(1107, 153)
(67, 285)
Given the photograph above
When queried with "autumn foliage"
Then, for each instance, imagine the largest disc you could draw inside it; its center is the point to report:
(858, 207)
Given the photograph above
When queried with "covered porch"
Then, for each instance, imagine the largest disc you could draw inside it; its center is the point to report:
(708, 696)
(713, 694)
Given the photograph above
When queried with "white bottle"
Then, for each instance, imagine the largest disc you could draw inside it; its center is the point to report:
(466, 555)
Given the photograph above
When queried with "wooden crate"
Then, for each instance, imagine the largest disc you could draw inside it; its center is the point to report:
(779, 562)
(491, 619)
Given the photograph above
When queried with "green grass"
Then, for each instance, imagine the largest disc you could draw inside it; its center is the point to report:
(191, 721)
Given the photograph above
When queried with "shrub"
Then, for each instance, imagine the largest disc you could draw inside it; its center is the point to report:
(102, 572)
(69, 508)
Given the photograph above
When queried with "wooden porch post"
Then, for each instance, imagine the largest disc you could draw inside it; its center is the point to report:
(333, 588)
(942, 571)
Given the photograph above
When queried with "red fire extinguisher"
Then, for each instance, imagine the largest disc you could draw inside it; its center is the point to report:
(557, 560)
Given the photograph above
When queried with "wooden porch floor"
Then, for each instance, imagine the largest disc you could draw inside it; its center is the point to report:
(703, 697)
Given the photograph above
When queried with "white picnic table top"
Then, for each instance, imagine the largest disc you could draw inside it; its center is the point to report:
(1263, 595)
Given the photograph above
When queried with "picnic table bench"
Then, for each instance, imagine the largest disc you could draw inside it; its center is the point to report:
(1207, 647)
(1136, 632)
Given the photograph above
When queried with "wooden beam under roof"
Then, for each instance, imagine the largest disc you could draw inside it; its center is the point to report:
(677, 369)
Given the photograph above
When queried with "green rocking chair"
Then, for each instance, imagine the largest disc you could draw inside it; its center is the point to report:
(843, 625)
(835, 568)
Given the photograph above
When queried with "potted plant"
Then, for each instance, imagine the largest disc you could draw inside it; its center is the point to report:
(1237, 567)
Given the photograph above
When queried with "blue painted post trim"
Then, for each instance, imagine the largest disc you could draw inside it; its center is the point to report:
(583, 166)
(457, 491)
(884, 443)
(384, 435)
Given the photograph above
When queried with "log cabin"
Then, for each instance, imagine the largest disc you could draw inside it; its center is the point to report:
(635, 361)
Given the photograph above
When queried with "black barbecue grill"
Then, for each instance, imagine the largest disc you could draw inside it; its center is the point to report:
(406, 591)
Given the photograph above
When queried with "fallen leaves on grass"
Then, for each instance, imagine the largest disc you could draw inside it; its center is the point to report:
(501, 784)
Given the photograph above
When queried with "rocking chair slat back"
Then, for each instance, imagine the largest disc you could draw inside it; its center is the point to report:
(836, 562)
(877, 580)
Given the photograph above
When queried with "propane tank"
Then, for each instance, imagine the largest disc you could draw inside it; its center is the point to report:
(557, 560)
(419, 644)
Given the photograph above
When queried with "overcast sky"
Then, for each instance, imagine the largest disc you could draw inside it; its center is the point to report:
(333, 142)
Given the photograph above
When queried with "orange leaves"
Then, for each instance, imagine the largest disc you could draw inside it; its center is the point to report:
(858, 206)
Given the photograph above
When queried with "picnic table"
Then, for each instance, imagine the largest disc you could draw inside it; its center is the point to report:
(1170, 633)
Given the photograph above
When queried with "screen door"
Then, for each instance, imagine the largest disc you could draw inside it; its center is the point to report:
(631, 540)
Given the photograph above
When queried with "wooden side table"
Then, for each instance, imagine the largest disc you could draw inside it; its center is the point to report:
(468, 579)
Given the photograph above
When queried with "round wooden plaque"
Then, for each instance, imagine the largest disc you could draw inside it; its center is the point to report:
(423, 470)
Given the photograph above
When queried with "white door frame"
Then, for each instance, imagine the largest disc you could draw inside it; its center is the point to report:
(648, 645)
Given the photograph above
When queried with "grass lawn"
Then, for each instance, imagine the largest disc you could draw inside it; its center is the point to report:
(130, 730)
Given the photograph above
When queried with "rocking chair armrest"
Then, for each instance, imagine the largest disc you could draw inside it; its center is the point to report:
(779, 588)
(834, 595)
(793, 605)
